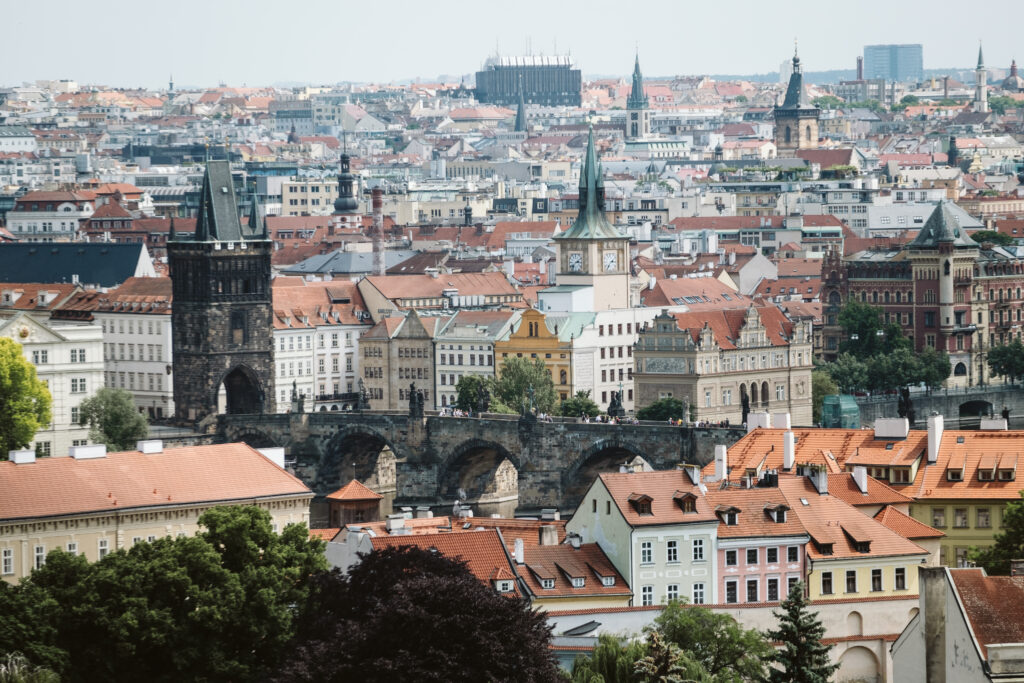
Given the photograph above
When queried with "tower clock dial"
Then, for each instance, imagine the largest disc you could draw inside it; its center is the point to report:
(575, 262)
(610, 261)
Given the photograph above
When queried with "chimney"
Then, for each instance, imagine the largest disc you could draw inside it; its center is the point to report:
(151, 446)
(819, 477)
(378, 231)
(23, 457)
(395, 521)
(781, 421)
(423, 512)
(88, 452)
(892, 428)
(934, 438)
(721, 462)
(548, 535)
(860, 477)
(788, 453)
(519, 553)
(860, 68)
(732, 258)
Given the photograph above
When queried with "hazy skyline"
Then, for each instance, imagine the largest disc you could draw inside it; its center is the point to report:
(257, 42)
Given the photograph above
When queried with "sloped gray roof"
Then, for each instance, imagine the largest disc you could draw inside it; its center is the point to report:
(95, 263)
(942, 226)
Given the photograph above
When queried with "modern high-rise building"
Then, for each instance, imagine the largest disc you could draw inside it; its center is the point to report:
(894, 62)
(549, 81)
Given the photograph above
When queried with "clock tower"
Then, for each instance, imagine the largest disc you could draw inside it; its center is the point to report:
(593, 253)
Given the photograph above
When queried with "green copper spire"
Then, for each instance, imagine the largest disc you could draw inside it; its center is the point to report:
(981, 59)
(637, 98)
(591, 222)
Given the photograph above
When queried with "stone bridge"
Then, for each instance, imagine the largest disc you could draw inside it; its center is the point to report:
(431, 460)
(958, 406)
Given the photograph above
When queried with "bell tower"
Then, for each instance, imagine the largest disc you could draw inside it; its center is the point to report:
(221, 318)
(638, 113)
(796, 121)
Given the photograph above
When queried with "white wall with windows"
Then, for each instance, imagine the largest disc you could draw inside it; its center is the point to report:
(137, 349)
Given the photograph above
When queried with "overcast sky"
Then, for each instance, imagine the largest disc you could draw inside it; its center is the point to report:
(260, 42)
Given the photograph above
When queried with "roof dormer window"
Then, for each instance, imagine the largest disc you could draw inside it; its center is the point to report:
(1007, 475)
(729, 515)
(579, 581)
(641, 503)
(686, 501)
(607, 581)
(547, 584)
(954, 475)
(503, 586)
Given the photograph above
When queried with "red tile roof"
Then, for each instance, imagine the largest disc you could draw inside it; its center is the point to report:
(563, 563)
(354, 490)
(994, 605)
(905, 525)
(995, 449)
(753, 520)
(727, 325)
(662, 488)
(842, 485)
(223, 473)
(325, 535)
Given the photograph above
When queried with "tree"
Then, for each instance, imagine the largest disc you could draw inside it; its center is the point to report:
(666, 663)
(822, 385)
(612, 661)
(113, 419)
(861, 323)
(803, 657)
(16, 669)
(999, 238)
(662, 410)
(219, 606)
(827, 102)
(848, 372)
(740, 99)
(1009, 544)
(24, 399)
(580, 405)
(1007, 360)
(933, 367)
(409, 614)
(467, 391)
(515, 378)
(721, 646)
(1000, 103)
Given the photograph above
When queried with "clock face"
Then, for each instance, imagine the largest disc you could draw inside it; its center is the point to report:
(575, 262)
(610, 260)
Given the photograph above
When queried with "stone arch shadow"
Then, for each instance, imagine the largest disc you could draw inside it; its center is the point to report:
(603, 456)
(358, 452)
(477, 466)
(858, 664)
(971, 412)
(253, 438)
(245, 393)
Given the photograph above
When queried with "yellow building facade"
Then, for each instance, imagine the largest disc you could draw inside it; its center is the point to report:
(531, 339)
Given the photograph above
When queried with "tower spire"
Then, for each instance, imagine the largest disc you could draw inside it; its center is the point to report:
(521, 111)
(981, 58)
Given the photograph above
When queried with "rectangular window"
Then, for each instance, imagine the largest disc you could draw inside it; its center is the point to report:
(901, 579)
(793, 553)
(672, 592)
(646, 553)
(698, 550)
(939, 517)
(731, 595)
(752, 594)
(826, 583)
(698, 594)
(960, 518)
(40, 357)
(771, 555)
(984, 518)
(40, 556)
(647, 596)
(773, 590)
(103, 548)
(730, 558)
(72, 548)
(876, 580)
(751, 555)
(672, 551)
(7, 561)
(851, 581)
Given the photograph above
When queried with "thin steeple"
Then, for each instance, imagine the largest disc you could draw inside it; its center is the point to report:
(591, 222)
(257, 223)
(981, 58)
(521, 111)
(637, 98)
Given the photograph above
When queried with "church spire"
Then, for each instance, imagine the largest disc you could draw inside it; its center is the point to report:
(591, 222)
(637, 98)
(981, 58)
(521, 111)
(257, 223)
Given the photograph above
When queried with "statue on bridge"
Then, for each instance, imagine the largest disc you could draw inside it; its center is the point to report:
(615, 408)
(483, 399)
(297, 399)
(415, 401)
(745, 402)
(363, 401)
(529, 406)
(905, 407)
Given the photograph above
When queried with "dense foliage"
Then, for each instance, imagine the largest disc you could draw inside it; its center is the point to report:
(822, 385)
(802, 657)
(218, 606)
(24, 399)
(516, 377)
(580, 405)
(408, 614)
(661, 410)
(1009, 544)
(1007, 360)
(113, 419)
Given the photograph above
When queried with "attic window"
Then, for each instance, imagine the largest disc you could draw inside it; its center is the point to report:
(607, 581)
(503, 586)
(730, 518)
(888, 446)
(641, 503)
(1007, 475)
(959, 439)
(863, 546)
(954, 475)
(824, 548)
(985, 475)
(547, 583)
(687, 502)
(579, 581)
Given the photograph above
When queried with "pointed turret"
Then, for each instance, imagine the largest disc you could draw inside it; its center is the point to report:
(218, 208)
(521, 111)
(981, 58)
(346, 203)
(591, 222)
(637, 98)
(257, 223)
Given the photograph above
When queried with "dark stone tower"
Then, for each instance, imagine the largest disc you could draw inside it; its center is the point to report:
(222, 305)
(796, 121)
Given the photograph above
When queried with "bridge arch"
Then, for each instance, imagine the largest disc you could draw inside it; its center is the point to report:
(971, 412)
(603, 456)
(254, 438)
(358, 452)
(239, 392)
(480, 471)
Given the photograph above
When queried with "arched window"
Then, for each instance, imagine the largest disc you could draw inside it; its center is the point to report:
(874, 297)
(807, 133)
(885, 297)
(788, 135)
(563, 377)
(960, 370)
